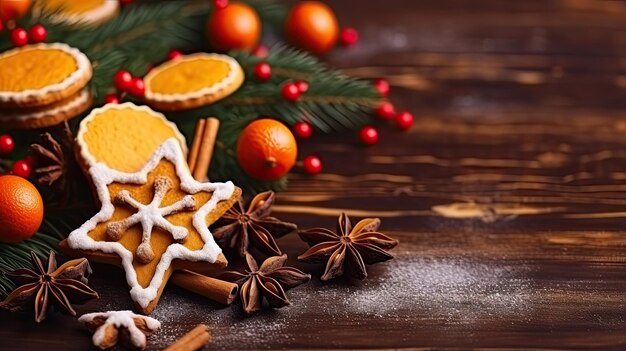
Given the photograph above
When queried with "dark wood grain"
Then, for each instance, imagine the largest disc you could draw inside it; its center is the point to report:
(508, 195)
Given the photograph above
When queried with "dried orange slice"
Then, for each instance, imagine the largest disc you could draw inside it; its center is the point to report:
(42, 74)
(123, 136)
(192, 81)
(83, 12)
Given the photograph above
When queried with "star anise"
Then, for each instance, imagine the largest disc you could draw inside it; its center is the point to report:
(269, 281)
(54, 158)
(242, 227)
(64, 285)
(349, 249)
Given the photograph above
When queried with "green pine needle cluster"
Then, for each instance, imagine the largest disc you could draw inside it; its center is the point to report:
(141, 36)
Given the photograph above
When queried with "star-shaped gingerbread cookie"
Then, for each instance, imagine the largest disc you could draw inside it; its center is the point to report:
(153, 222)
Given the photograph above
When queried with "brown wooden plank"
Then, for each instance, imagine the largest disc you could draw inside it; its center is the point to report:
(508, 195)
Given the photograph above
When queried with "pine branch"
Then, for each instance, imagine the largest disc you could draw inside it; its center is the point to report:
(334, 101)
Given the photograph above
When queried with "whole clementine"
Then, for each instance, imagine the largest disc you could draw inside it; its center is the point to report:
(266, 149)
(13, 9)
(237, 26)
(21, 209)
(312, 26)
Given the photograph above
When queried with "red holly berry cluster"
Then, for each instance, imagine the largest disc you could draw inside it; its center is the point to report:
(386, 111)
(21, 37)
(125, 83)
(291, 91)
(368, 135)
(20, 168)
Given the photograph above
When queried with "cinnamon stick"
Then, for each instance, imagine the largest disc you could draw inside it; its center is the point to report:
(193, 340)
(195, 145)
(205, 152)
(217, 290)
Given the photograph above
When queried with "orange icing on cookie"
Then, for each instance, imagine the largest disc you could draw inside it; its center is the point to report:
(35, 68)
(189, 76)
(72, 6)
(125, 136)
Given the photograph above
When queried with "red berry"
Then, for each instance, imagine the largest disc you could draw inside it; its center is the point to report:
(382, 86)
(123, 80)
(6, 144)
(302, 130)
(312, 165)
(30, 160)
(111, 99)
(263, 71)
(404, 120)
(137, 87)
(19, 37)
(220, 4)
(349, 36)
(21, 169)
(260, 51)
(174, 55)
(368, 135)
(302, 86)
(126, 2)
(37, 33)
(385, 111)
(290, 92)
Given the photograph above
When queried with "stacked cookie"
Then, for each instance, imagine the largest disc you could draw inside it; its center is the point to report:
(42, 85)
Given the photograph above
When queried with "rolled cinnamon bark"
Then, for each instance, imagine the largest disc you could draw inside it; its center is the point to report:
(217, 290)
(205, 153)
(193, 340)
(192, 159)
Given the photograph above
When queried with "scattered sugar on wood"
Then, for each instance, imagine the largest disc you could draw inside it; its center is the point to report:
(448, 291)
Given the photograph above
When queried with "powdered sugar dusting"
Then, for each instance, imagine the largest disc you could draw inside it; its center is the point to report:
(452, 288)
(229, 328)
(447, 291)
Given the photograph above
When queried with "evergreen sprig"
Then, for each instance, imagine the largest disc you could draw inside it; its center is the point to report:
(334, 102)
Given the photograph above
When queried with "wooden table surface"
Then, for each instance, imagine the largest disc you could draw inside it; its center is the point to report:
(508, 195)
